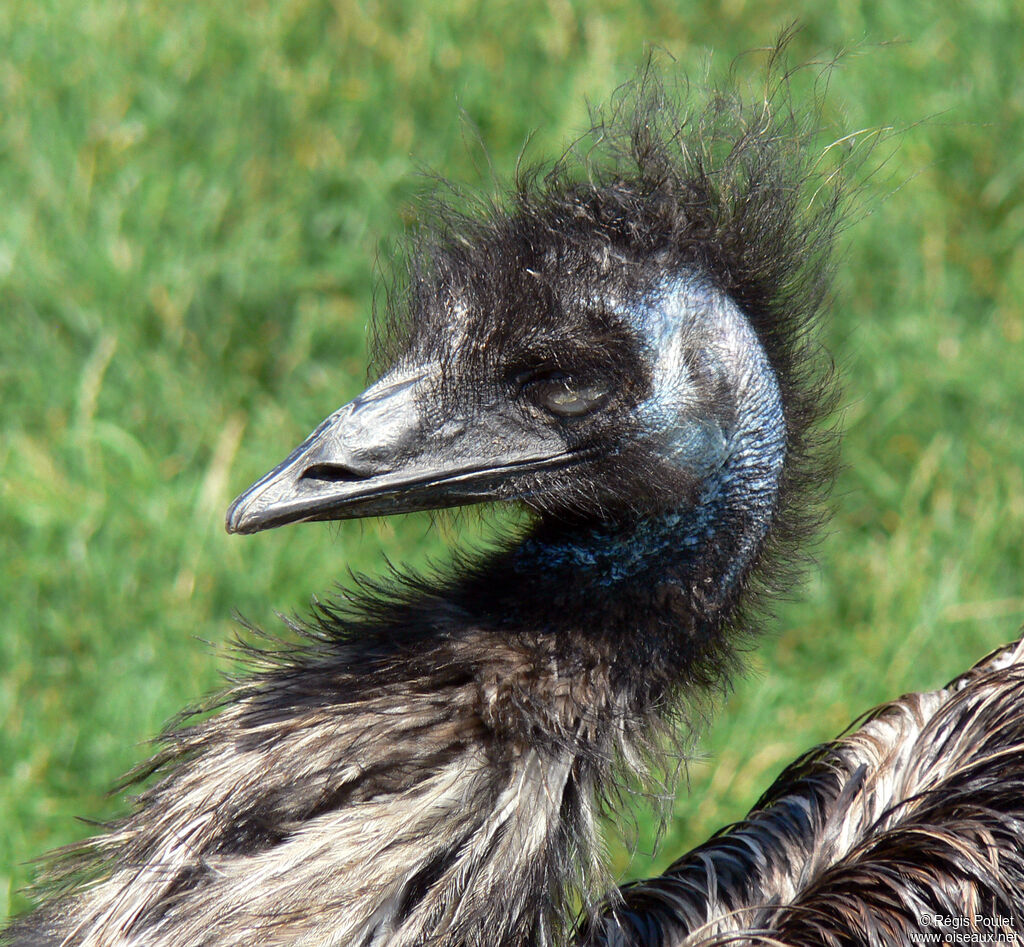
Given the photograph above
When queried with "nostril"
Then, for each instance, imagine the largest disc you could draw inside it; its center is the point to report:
(334, 473)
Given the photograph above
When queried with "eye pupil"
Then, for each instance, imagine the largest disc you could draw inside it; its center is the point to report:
(567, 396)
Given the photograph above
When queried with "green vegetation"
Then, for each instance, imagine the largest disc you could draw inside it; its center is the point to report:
(193, 199)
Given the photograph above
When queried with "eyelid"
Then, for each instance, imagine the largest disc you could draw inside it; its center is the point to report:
(544, 389)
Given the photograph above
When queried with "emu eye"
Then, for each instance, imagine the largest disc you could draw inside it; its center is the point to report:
(565, 395)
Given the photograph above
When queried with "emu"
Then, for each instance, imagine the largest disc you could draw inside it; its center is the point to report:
(629, 355)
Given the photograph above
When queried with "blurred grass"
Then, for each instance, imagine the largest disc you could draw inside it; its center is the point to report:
(193, 197)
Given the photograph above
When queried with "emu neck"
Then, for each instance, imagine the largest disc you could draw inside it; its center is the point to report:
(687, 565)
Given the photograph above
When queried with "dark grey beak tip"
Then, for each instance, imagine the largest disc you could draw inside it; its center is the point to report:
(262, 507)
(242, 518)
(235, 520)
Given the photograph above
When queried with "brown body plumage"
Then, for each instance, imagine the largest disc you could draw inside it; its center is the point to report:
(908, 826)
(627, 350)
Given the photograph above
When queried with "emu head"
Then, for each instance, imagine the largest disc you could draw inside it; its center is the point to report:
(551, 363)
(587, 350)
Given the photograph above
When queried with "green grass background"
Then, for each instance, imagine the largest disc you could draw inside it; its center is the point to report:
(193, 199)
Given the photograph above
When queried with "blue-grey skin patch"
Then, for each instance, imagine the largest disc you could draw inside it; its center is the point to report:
(740, 466)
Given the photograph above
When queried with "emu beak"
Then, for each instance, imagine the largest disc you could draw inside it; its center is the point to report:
(392, 450)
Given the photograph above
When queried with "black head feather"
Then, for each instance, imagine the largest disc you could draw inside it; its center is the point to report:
(733, 192)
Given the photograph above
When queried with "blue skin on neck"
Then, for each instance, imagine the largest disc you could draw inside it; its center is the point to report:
(740, 467)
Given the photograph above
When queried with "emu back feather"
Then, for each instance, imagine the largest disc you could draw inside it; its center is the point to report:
(917, 813)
